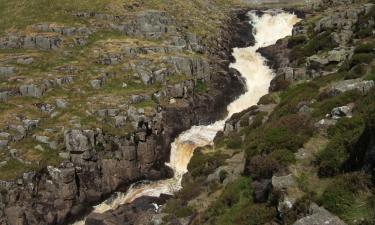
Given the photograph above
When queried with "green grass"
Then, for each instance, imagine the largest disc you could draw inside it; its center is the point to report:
(14, 168)
(235, 206)
(349, 197)
(203, 164)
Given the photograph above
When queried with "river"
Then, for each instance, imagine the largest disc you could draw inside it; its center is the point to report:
(268, 28)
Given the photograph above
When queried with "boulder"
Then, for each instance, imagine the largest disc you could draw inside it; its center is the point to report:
(96, 84)
(79, 141)
(319, 216)
(283, 182)
(343, 111)
(31, 90)
(324, 124)
(25, 60)
(30, 124)
(4, 95)
(364, 86)
(61, 103)
(7, 70)
(261, 190)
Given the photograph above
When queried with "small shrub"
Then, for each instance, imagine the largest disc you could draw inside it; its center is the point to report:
(266, 99)
(190, 190)
(283, 157)
(203, 164)
(371, 74)
(364, 48)
(263, 167)
(234, 142)
(356, 72)
(340, 196)
(339, 150)
(283, 138)
(235, 206)
(359, 58)
(200, 87)
(177, 208)
(293, 96)
(296, 40)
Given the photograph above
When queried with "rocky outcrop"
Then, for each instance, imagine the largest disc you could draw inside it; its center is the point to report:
(319, 216)
(149, 24)
(360, 85)
(42, 42)
(97, 163)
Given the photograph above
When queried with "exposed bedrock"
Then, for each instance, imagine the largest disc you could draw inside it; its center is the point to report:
(97, 164)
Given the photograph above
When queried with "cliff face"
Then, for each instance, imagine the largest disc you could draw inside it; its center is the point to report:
(304, 154)
(97, 162)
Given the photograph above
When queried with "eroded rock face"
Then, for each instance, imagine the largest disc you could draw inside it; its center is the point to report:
(363, 86)
(149, 24)
(320, 216)
(96, 163)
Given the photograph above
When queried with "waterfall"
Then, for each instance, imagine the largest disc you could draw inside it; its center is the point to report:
(268, 28)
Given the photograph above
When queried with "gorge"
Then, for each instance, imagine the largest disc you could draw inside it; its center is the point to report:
(172, 112)
(268, 27)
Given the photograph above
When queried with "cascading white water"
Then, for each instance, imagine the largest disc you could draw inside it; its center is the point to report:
(268, 28)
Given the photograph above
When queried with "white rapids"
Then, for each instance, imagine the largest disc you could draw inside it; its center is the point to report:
(268, 28)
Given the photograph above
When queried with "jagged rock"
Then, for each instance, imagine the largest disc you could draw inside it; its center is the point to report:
(283, 182)
(47, 43)
(333, 56)
(134, 99)
(343, 111)
(363, 86)
(31, 90)
(149, 24)
(42, 139)
(108, 112)
(120, 121)
(175, 91)
(78, 141)
(46, 108)
(64, 80)
(61, 103)
(145, 75)
(319, 216)
(7, 70)
(161, 74)
(25, 60)
(324, 124)
(316, 64)
(30, 124)
(189, 66)
(96, 84)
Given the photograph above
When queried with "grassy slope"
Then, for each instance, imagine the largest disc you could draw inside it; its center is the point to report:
(198, 16)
